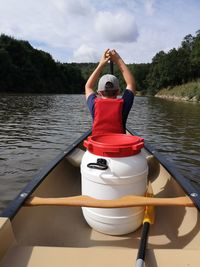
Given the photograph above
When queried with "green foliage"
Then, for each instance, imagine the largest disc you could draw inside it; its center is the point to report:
(176, 67)
(24, 69)
(140, 72)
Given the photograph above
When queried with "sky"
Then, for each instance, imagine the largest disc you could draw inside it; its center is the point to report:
(80, 30)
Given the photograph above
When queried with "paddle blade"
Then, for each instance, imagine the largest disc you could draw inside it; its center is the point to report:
(149, 214)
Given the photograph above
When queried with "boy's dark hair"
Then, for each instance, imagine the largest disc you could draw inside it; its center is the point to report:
(109, 86)
(109, 93)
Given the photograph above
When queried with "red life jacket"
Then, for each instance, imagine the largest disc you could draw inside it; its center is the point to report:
(108, 116)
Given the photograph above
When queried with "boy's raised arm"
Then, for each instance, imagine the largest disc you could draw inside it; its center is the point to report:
(89, 87)
(128, 77)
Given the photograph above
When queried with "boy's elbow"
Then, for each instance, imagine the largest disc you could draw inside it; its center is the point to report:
(87, 88)
(132, 87)
(88, 91)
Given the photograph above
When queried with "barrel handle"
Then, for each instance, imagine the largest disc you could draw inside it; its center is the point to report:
(109, 176)
(101, 164)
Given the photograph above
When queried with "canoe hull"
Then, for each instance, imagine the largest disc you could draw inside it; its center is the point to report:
(59, 236)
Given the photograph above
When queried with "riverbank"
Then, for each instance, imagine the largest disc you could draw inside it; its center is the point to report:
(186, 92)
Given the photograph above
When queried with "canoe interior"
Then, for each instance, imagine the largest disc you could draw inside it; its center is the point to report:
(59, 236)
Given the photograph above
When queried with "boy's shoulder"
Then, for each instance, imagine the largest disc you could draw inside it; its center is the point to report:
(128, 96)
(128, 93)
(91, 98)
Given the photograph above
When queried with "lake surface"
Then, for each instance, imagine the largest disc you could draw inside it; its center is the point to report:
(35, 128)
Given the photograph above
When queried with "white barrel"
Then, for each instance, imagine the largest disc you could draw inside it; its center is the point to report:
(123, 176)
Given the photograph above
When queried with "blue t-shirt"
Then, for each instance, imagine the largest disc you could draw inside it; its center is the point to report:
(128, 97)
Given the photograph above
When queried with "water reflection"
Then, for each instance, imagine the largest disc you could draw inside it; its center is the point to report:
(173, 128)
(34, 128)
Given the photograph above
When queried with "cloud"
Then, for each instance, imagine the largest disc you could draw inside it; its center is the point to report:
(78, 7)
(31, 19)
(85, 53)
(55, 23)
(116, 27)
(149, 7)
(80, 30)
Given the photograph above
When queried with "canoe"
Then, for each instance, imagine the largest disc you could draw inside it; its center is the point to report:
(58, 235)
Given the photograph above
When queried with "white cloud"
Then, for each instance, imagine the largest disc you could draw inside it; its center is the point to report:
(30, 19)
(85, 53)
(116, 27)
(78, 7)
(149, 7)
(80, 30)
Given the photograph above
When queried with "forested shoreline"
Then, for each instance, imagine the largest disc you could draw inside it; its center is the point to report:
(24, 69)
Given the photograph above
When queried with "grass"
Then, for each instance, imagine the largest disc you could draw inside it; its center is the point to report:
(186, 91)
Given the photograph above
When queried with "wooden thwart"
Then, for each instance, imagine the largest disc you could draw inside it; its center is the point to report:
(124, 202)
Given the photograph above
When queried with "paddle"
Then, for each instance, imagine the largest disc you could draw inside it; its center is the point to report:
(111, 67)
(126, 201)
(148, 219)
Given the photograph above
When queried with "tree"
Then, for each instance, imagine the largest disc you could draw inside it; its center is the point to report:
(28, 70)
(195, 56)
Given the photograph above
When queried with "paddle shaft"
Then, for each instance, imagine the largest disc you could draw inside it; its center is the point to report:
(143, 244)
(149, 217)
(126, 201)
(111, 67)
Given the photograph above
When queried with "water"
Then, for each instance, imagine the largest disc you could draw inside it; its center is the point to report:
(173, 128)
(35, 128)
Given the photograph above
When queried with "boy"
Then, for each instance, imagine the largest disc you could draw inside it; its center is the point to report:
(109, 112)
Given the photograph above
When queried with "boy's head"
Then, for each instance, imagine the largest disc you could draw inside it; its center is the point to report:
(108, 86)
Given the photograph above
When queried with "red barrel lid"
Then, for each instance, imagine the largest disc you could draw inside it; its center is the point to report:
(114, 145)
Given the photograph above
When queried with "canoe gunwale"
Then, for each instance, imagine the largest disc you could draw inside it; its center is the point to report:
(184, 183)
(15, 204)
(26, 192)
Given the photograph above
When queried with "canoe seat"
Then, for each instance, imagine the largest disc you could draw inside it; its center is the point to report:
(35, 256)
